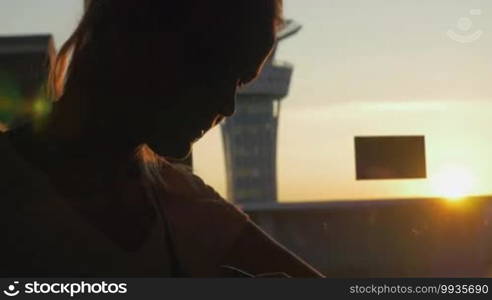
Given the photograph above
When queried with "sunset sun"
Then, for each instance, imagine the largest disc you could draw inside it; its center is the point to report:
(453, 182)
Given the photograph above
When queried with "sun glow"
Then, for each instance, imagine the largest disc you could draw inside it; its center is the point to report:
(453, 182)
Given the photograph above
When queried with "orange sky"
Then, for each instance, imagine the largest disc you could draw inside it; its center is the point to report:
(316, 156)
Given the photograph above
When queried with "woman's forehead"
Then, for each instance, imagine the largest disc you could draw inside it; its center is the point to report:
(242, 53)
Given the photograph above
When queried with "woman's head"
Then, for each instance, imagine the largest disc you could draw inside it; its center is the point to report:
(162, 72)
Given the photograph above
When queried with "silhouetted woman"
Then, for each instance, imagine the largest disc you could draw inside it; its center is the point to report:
(91, 193)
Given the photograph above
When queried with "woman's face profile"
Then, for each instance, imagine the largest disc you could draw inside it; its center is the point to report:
(196, 109)
(198, 102)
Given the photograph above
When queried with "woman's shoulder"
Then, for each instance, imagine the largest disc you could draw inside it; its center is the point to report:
(205, 224)
(181, 183)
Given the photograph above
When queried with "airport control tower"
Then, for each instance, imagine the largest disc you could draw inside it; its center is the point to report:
(250, 135)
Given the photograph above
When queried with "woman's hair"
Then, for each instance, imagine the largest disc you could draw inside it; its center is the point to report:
(113, 33)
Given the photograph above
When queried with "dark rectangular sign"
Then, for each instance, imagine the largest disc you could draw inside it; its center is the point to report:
(390, 157)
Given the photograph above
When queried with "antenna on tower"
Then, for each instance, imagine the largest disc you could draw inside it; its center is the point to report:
(289, 28)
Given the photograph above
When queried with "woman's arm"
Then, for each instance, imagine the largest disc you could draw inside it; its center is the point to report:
(214, 238)
(254, 252)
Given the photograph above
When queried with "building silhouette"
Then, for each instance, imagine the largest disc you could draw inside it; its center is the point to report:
(250, 135)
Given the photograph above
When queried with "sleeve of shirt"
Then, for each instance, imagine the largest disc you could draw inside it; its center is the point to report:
(203, 223)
